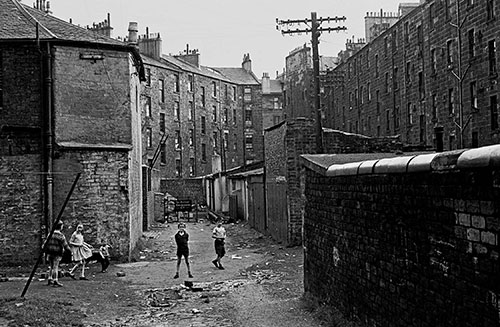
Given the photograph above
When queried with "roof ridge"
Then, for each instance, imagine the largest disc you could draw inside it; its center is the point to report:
(32, 19)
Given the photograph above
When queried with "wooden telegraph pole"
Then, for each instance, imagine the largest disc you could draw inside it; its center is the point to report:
(315, 29)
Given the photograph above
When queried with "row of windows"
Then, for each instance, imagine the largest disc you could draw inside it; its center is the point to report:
(214, 88)
(392, 40)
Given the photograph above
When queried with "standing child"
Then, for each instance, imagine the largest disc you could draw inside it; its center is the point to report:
(219, 233)
(182, 239)
(54, 248)
(80, 251)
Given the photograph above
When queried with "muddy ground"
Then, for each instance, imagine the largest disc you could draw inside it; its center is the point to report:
(262, 285)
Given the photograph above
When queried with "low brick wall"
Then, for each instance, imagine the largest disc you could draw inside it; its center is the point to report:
(192, 188)
(406, 241)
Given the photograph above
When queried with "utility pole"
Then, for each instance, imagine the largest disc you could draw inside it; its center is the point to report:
(315, 29)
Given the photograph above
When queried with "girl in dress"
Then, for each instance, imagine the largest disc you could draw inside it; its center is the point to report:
(79, 251)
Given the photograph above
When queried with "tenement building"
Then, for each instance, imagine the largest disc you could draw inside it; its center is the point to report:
(69, 113)
(430, 77)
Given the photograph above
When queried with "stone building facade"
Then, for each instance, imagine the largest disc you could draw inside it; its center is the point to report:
(68, 103)
(432, 77)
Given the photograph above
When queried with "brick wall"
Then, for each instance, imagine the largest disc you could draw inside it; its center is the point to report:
(416, 97)
(21, 212)
(341, 142)
(101, 199)
(407, 249)
(192, 188)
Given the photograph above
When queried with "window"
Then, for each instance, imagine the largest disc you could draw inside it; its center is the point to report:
(149, 137)
(434, 107)
(177, 140)
(420, 36)
(396, 118)
(407, 32)
(451, 101)
(178, 167)
(421, 86)
(387, 121)
(490, 9)
(215, 142)
(190, 83)
(395, 78)
(350, 100)
(276, 103)
(492, 60)
(203, 125)
(470, 35)
(162, 122)
(422, 128)
(191, 137)
(433, 61)
(248, 114)
(214, 114)
(247, 96)
(369, 91)
(386, 84)
(408, 73)
(147, 106)
(447, 9)
(191, 110)
(225, 140)
(470, 3)
(177, 83)
(177, 110)
(214, 89)
(361, 94)
(276, 120)
(376, 65)
(395, 40)
(377, 99)
(409, 113)
(473, 95)
(226, 115)
(203, 152)
(249, 141)
(163, 154)
(161, 86)
(191, 167)
(494, 112)
(203, 97)
(234, 116)
(234, 93)
(368, 58)
(226, 92)
(431, 16)
(147, 73)
(450, 50)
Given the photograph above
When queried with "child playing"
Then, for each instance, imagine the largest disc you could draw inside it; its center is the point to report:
(181, 239)
(54, 248)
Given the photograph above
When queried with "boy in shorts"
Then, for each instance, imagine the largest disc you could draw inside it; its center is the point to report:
(181, 239)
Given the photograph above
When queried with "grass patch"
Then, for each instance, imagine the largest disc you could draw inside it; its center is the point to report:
(40, 312)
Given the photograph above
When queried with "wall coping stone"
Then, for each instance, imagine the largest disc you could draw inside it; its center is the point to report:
(487, 156)
(96, 146)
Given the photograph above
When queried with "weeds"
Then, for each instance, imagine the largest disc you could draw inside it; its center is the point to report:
(325, 313)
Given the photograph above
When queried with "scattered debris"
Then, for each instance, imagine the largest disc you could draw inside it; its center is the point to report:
(234, 256)
(120, 274)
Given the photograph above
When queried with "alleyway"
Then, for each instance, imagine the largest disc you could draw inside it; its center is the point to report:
(261, 285)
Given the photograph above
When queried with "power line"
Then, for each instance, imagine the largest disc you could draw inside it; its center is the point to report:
(315, 29)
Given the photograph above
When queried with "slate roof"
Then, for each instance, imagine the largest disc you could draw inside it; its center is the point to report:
(202, 70)
(18, 22)
(238, 75)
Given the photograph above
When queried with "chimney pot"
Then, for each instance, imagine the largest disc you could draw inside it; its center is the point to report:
(132, 32)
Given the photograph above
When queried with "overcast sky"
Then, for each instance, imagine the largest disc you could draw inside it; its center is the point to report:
(224, 30)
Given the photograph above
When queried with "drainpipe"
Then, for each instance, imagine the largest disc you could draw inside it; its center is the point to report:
(49, 149)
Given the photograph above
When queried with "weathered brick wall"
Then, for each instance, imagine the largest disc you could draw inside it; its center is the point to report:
(21, 211)
(192, 188)
(275, 152)
(410, 249)
(101, 198)
(90, 97)
(299, 139)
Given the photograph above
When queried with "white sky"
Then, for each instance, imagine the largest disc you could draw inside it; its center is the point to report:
(224, 30)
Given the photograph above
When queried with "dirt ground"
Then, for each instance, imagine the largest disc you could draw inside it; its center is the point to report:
(262, 285)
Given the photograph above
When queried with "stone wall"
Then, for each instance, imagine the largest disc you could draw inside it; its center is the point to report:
(21, 211)
(192, 188)
(406, 241)
(342, 142)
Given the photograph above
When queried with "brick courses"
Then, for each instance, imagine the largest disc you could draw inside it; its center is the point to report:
(406, 249)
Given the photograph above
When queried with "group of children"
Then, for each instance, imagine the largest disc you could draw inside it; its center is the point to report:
(182, 239)
(79, 251)
(82, 252)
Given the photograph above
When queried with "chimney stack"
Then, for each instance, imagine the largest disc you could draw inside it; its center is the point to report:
(132, 33)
